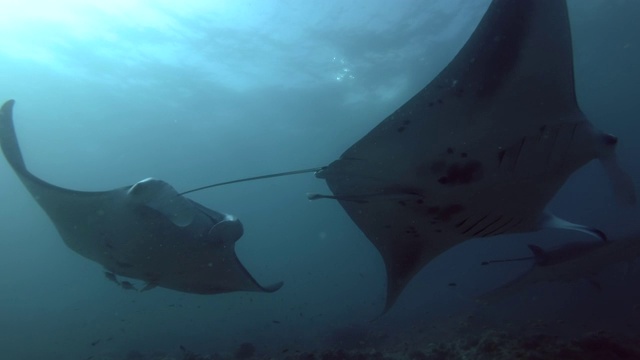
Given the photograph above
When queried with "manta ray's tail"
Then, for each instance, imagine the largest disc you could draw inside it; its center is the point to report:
(9, 140)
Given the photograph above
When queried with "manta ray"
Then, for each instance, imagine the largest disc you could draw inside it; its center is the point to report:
(568, 262)
(146, 231)
(480, 150)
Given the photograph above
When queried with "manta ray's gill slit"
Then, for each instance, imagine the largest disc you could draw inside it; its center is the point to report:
(514, 164)
(487, 226)
(500, 227)
(509, 228)
(501, 154)
(461, 223)
(538, 153)
(552, 149)
(566, 134)
(475, 224)
(563, 144)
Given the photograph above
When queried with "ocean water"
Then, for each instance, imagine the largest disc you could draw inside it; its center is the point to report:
(198, 92)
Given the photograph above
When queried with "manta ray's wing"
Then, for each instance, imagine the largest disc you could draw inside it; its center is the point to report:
(68, 209)
(145, 231)
(479, 151)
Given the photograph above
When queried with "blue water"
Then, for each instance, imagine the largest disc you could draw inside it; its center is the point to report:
(197, 92)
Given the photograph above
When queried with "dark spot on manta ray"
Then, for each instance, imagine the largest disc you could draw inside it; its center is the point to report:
(433, 209)
(406, 122)
(401, 129)
(450, 150)
(402, 203)
(419, 201)
(440, 101)
(430, 104)
(461, 174)
(124, 264)
(463, 155)
(453, 284)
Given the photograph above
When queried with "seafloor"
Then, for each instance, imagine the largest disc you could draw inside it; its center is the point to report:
(490, 345)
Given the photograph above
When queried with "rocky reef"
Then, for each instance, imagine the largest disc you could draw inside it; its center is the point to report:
(489, 345)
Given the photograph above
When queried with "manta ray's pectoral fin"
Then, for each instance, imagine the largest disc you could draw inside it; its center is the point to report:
(548, 220)
(273, 287)
(162, 197)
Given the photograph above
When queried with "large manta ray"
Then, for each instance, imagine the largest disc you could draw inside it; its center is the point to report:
(145, 231)
(480, 150)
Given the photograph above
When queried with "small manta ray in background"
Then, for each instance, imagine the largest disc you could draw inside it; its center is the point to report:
(478, 152)
(565, 263)
(146, 231)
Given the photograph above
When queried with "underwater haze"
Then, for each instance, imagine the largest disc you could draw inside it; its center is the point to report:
(198, 92)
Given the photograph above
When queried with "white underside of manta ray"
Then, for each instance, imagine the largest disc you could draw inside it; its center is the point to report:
(478, 152)
(146, 231)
